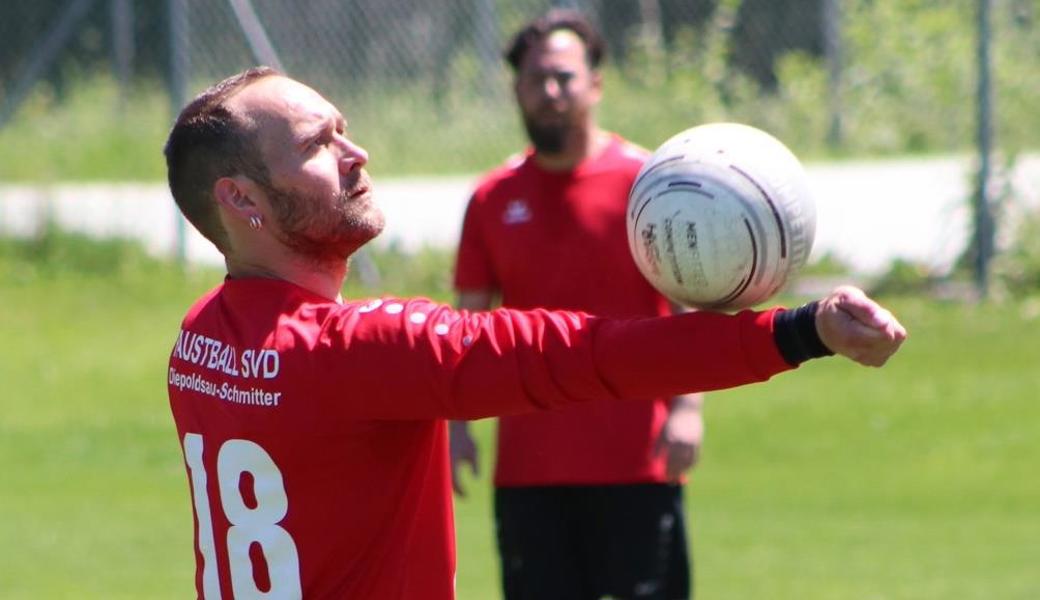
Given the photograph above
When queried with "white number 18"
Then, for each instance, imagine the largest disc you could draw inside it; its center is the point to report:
(257, 525)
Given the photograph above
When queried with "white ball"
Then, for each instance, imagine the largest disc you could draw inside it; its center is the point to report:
(720, 217)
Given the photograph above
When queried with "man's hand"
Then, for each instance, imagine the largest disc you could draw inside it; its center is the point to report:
(681, 436)
(462, 449)
(854, 326)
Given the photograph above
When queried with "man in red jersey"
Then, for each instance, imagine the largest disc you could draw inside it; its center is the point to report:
(588, 499)
(313, 428)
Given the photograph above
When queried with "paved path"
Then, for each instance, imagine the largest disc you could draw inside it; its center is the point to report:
(869, 213)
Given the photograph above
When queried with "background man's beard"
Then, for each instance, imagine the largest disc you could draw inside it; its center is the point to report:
(329, 236)
(546, 139)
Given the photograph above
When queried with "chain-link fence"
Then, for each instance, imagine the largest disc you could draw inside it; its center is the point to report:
(852, 76)
(426, 91)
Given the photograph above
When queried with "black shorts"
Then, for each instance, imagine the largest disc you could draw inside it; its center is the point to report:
(585, 542)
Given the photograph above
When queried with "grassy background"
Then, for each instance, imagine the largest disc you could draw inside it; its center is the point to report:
(916, 481)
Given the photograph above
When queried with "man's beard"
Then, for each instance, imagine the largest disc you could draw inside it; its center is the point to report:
(310, 228)
(546, 139)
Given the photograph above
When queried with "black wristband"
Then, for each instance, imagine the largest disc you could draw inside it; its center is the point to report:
(794, 332)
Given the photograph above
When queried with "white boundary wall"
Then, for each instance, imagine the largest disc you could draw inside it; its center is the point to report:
(869, 213)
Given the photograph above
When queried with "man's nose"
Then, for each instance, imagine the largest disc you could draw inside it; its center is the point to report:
(352, 156)
(552, 88)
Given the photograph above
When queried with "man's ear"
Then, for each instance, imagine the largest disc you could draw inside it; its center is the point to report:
(596, 78)
(232, 193)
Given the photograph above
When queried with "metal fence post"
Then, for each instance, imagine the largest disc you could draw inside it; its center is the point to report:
(256, 36)
(487, 43)
(984, 222)
(121, 13)
(833, 52)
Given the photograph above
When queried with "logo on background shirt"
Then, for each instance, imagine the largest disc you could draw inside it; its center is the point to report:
(516, 212)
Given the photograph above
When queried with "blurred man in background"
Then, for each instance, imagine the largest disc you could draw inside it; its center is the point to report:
(588, 500)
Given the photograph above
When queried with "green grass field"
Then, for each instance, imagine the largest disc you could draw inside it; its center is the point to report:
(917, 481)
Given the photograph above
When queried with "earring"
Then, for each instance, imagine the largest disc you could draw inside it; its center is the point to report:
(256, 222)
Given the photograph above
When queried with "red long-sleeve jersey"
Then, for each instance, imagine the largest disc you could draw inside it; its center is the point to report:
(313, 431)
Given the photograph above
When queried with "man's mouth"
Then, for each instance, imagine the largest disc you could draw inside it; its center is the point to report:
(362, 185)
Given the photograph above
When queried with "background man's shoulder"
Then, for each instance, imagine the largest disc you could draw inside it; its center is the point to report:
(631, 151)
(503, 177)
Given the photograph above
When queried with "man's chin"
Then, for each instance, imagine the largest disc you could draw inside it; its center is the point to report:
(547, 141)
(376, 221)
(544, 137)
(373, 232)
(363, 232)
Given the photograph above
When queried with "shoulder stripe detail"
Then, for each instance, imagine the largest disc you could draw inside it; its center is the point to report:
(514, 161)
(634, 151)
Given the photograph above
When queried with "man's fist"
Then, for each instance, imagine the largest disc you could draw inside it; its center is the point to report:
(853, 325)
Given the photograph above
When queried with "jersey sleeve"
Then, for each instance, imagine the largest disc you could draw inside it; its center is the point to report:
(473, 268)
(417, 360)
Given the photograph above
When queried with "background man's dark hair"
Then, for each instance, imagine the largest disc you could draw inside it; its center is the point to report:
(208, 142)
(556, 20)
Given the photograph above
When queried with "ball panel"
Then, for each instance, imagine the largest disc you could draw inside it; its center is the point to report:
(684, 224)
(720, 216)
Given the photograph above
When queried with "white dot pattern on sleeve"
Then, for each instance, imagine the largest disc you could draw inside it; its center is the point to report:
(369, 307)
(417, 318)
(394, 308)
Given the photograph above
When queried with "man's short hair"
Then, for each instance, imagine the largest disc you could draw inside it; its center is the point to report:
(556, 20)
(207, 142)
